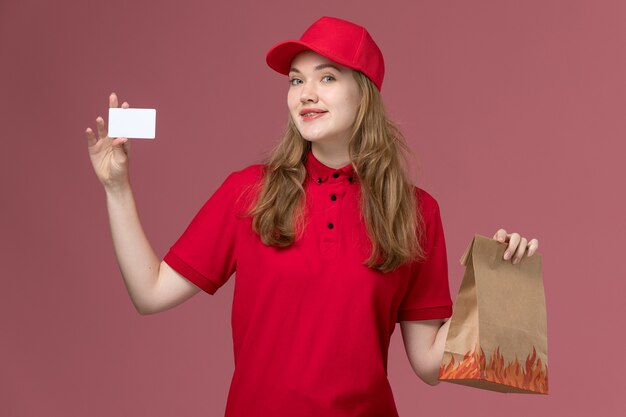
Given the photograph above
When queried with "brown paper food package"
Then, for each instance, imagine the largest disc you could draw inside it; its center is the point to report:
(498, 332)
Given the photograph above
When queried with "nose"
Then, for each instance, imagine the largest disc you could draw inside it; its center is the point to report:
(309, 94)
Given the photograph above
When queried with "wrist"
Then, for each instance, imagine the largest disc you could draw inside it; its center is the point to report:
(118, 190)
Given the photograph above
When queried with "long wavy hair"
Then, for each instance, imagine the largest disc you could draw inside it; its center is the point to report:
(378, 152)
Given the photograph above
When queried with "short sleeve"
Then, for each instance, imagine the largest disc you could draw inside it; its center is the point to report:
(205, 252)
(428, 294)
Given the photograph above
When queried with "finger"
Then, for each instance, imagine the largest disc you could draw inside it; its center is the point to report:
(125, 105)
(121, 143)
(113, 100)
(126, 146)
(91, 138)
(514, 239)
(118, 150)
(102, 132)
(500, 235)
(533, 245)
(519, 253)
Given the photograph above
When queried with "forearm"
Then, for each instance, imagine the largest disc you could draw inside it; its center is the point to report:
(436, 351)
(137, 261)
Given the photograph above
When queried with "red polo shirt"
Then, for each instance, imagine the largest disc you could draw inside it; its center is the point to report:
(311, 324)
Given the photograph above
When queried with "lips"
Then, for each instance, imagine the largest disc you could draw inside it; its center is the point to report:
(311, 114)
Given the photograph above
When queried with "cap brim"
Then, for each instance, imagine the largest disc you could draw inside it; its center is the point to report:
(280, 56)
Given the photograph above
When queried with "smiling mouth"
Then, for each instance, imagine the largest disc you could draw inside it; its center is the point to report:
(312, 115)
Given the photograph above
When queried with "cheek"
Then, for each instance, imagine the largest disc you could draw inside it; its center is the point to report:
(292, 101)
(351, 106)
(356, 103)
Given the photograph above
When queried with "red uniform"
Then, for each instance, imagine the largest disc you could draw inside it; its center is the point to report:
(311, 324)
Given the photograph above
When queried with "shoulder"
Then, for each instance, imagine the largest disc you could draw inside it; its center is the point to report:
(426, 202)
(244, 184)
(242, 179)
(247, 175)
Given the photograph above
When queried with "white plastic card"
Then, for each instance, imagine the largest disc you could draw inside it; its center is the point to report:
(132, 123)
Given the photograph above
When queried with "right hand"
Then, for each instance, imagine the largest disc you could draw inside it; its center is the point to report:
(109, 156)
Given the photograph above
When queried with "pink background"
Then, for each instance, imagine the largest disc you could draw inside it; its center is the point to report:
(515, 109)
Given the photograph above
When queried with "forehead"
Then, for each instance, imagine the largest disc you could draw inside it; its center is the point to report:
(312, 59)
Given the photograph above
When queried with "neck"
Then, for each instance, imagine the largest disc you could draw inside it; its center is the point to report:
(332, 155)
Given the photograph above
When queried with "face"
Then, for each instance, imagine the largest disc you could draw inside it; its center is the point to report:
(323, 98)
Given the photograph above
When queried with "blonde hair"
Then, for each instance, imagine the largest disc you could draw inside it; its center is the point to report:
(388, 204)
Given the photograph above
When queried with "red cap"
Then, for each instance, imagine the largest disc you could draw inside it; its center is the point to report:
(338, 40)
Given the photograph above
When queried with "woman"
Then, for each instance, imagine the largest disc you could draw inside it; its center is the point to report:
(331, 242)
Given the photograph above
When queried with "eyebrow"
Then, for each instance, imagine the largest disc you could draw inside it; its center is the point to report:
(319, 67)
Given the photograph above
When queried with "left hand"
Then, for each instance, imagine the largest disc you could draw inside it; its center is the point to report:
(516, 241)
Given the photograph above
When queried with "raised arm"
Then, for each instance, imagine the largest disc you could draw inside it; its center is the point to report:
(152, 286)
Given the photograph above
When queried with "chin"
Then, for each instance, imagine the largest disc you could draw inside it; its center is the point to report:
(314, 138)
(310, 137)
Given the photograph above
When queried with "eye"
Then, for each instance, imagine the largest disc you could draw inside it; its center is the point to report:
(328, 76)
(295, 81)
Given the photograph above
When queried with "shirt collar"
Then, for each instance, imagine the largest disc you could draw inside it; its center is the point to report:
(319, 173)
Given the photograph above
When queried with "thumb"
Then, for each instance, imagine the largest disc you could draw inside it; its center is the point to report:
(126, 145)
(119, 150)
